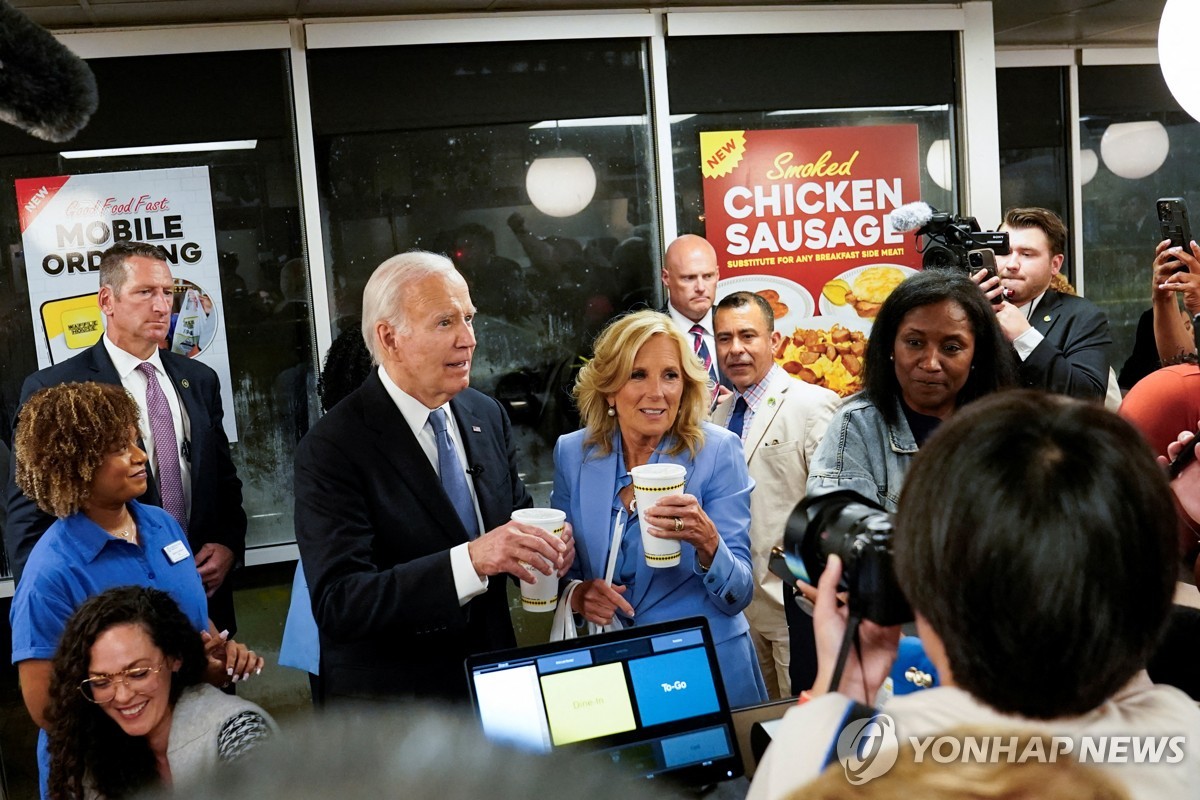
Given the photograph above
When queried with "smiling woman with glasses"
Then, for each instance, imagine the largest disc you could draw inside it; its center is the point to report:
(102, 688)
(128, 705)
(78, 457)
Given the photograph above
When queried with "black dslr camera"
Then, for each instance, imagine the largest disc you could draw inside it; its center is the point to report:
(953, 242)
(860, 532)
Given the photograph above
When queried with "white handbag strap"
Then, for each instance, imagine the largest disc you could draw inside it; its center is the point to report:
(614, 547)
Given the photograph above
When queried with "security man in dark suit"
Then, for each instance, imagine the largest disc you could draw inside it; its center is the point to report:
(194, 478)
(403, 496)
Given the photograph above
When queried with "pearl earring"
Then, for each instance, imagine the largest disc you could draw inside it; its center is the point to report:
(612, 412)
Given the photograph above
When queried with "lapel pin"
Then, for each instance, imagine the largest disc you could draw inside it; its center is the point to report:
(1046, 318)
(770, 401)
(476, 429)
(184, 383)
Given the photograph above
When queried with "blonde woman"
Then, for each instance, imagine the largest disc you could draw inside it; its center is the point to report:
(642, 400)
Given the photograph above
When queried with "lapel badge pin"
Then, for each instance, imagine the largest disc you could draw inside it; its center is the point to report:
(1046, 318)
(184, 383)
(476, 429)
(770, 401)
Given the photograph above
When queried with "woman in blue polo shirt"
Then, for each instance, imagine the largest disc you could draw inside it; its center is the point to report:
(78, 459)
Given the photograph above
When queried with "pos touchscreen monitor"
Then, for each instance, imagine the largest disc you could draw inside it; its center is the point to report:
(648, 698)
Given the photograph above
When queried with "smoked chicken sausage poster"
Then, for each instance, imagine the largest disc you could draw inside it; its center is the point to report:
(802, 217)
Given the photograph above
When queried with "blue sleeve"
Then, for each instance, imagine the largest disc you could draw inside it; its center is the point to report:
(560, 498)
(725, 497)
(41, 607)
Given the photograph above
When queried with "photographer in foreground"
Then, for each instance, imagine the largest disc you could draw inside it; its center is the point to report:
(1036, 544)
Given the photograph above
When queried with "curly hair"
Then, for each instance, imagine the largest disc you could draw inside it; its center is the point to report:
(993, 367)
(64, 433)
(616, 348)
(87, 747)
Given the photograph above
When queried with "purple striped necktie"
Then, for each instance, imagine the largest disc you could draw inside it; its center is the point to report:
(166, 448)
(701, 350)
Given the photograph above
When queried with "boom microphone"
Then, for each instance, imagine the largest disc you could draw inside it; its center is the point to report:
(45, 89)
(911, 216)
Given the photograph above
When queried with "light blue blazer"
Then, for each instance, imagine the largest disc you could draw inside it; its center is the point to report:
(585, 484)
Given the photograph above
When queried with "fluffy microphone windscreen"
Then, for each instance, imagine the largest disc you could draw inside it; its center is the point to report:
(45, 89)
(911, 216)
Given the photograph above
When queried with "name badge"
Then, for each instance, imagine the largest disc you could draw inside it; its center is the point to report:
(176, 551)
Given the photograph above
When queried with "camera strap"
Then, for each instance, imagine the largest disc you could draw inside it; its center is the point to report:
(848, 639)
(855, 712)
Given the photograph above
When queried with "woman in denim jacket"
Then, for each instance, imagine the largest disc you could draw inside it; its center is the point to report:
(934, 347)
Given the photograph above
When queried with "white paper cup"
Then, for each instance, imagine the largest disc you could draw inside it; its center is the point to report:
(651, 482)
(541, 595)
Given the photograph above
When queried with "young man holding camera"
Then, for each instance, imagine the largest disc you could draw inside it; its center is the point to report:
(1060, 339)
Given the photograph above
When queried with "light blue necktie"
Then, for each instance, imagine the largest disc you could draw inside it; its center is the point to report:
(454, 478)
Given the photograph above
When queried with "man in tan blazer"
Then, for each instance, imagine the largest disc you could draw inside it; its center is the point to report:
(781, 420)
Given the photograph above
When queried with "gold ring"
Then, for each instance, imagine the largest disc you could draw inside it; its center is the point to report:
(678, 524)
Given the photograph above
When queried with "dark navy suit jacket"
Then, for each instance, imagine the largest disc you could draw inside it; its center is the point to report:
(375, 530)
(1072, 358)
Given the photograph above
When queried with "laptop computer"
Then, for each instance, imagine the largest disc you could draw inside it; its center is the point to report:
(648, 698)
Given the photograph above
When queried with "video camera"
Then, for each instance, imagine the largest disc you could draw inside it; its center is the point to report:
(952, 242)
(860, 532)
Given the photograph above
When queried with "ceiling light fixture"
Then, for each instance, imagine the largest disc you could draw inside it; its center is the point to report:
(1176, 52)
(189, 147)
(1134, 150)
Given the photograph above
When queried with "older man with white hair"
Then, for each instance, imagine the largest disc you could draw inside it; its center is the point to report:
(403, 496)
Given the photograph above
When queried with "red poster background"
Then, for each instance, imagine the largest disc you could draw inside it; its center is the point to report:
(886, 154)
(792, 210)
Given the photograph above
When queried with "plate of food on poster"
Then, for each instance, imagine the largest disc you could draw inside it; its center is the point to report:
(858, 293)
(789, 300)
(826, 351)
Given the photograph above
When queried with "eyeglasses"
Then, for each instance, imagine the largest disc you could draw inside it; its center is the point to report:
(102, 689)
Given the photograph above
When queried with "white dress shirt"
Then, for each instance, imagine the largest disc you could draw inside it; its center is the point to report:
(1030, 339)
(134, 382)
(710, 340)
(467, 582)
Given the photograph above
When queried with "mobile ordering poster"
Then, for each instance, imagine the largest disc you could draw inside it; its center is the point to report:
(802, 217)
(68, 221)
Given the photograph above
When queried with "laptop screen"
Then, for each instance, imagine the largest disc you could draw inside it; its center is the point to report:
(649, 698)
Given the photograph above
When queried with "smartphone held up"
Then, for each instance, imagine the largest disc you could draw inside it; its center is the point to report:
(1173, 224)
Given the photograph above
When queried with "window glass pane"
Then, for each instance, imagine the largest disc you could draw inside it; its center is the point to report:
(840, 70)
(783, 82)
(801, 189)
(178, 99)
(1034, 160)
(1148, 148)
(530, 165)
